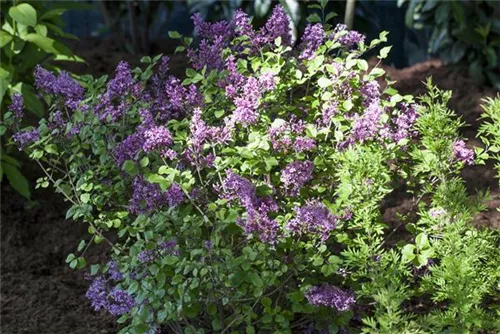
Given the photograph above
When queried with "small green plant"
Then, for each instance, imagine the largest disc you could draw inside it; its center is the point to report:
(248, 197)
(463, 32)
(30, 34)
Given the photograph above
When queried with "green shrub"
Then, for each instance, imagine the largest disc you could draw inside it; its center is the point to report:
(249, 197)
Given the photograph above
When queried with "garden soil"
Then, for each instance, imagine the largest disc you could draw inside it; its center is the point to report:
(40, 294)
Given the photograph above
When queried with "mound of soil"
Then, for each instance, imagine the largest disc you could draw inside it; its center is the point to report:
(40, 294)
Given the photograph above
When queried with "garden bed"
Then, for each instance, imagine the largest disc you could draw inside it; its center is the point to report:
(41, 294)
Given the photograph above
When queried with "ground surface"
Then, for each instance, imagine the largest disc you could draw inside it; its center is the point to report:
(40, 294)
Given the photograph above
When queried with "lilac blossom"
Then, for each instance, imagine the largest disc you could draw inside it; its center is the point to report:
(25, 138)
(17, 106)
(313, 218)
(405, 121)
(62, 85)
(114, 272)
(257, 221)
(370, 92)
(331, 296)
(267, 81)
(128, 148)
(209, 30)
(116, 301)
(312, 39)
(234, 79)
(97, 294)
(147, 256)
(266, 228)
(114, 101)
(278, 135)
(242, 25)
(147, 197)
(437, 212)
(121, 302)
(295, 175)
(236, 186)
(348, 39)
(462, 153)
(304, 144)
(208, 54)
(247, 103)
(156, 138)
(278, 25)
(366, 126)
(327, 114)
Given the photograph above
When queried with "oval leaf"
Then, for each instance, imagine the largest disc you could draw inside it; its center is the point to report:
(24, 14)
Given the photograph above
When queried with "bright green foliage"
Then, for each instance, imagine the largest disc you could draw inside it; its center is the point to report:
(463, 32)
(30, 34)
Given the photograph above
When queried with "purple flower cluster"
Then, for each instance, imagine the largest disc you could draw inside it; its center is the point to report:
(62, 85)
(247, 103)
(17, 106)
(404, 122)
(327, 114)
(208, 54)
(114, 102)
(113, 300)
(180, 98)
(209, 30)
(312, 39)
(462, 153)
(348, 39)
(215, 37)
(242, 25)
(147, 196)
(202, 134)
(331, 296)
(121, 302)
(313, 218)
(367, 125)
(128, 148)
(295, 175)
(150, 255)
(257, 208)
(278, 25)
(281, 137)
(113, 271)
(157, 137)
(25, 138)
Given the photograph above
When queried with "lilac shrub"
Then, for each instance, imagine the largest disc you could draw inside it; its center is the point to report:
(248, 197)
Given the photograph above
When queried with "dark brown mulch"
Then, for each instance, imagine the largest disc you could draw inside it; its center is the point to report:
(40, 294)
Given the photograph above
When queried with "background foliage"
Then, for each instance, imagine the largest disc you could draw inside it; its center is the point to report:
(30, 35)
(463, 32)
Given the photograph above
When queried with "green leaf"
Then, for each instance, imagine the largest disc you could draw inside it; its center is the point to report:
(130, 167)
(5, 38)
(174, 34)
(313, 18)
(324, 82)
(41, 30)
(24, 14)
(16, 179)
(408, 253)
(53, 13)
(384, 52)
(255, 280)
(48, 44)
